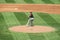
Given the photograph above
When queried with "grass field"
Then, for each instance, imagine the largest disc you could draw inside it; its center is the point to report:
(9, 19)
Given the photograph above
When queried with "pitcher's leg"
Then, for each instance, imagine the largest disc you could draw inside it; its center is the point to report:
(31, 22)
(28, 23)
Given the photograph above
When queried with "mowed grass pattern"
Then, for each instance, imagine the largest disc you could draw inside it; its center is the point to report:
(48, 1)
(22, 18)
(31, 1)
(4, 33)
(49, 20)
(9, 19)
(10, 1)
(27, 1)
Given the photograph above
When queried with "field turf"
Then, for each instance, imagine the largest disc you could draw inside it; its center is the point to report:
(9, 19)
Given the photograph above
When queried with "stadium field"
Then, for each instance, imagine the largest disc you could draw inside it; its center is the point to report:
(9, 19)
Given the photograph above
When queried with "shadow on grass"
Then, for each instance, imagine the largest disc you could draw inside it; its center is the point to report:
(29, 1)
(10, 1)
(47, 1)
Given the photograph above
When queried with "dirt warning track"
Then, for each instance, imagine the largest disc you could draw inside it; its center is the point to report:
(47, 8)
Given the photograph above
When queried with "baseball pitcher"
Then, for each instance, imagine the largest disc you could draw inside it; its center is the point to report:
(30, 20)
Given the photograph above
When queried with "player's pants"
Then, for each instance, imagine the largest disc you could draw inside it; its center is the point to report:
(30, 22)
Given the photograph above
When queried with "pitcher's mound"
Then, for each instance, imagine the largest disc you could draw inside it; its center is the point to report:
(34, 29)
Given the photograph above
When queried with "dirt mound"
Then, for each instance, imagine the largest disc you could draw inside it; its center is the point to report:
(34, 29)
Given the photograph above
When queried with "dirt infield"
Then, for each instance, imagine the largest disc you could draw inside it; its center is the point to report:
(47, 8)
(34, 29)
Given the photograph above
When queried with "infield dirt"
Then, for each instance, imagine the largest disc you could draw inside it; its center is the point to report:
(46, 8)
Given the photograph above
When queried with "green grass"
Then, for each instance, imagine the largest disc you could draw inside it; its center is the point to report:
(49, 20)
(56, 1)
(9, 19)
(48, 1)
(2, 22)
(56, 17)
(37, 36)
(31, 1)
(4, 33)
(5, 36)
(20, 18)
(10, 1)
(27, 1)
(2, 1)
